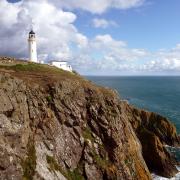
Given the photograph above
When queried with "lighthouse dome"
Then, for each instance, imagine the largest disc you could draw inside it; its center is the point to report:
(31, 32)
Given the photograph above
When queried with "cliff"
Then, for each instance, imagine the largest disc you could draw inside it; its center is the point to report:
(57, 125)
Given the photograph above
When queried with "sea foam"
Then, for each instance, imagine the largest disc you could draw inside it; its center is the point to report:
(176, 152)
(177, 177)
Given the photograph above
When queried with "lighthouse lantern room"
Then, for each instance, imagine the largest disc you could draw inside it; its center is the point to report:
(32, 47)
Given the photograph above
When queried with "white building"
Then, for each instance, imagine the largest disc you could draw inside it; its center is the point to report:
(32, 47)
(62, 65)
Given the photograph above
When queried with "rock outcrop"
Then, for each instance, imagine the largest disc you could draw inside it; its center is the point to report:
(57, 125)
(154, 132)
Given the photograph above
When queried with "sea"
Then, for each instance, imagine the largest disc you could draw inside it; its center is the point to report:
(156, 94)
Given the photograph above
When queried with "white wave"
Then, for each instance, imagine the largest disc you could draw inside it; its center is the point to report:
(176, 177)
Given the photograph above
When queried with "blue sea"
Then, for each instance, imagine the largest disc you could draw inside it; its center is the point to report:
(157, 94)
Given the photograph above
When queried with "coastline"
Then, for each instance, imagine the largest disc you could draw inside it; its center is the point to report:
(176, 177)
(176, 152)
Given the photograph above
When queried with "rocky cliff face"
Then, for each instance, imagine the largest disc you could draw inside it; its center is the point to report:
(154, 132)
(57, 125)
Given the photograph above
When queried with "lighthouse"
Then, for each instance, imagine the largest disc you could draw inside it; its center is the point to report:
(32, 47)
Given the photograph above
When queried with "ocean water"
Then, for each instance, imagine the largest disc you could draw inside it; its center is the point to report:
(156, 94)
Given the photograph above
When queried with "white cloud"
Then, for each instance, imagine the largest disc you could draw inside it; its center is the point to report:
(117, 50)
(126, 4)
(103, 53)
(99, 6)
(106, 42)
(54, 28)
(165, 60)
(103, 23)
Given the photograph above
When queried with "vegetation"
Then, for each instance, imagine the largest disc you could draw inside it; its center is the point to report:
(22, 67)
(74, 175)
(32, 67)
(102, 163)
(129, 161)
(49, 99)
(54, 166)
(75, 72)
(27, 67)
(87, 134)
(43, 74)
(3, 80)
(29, 164)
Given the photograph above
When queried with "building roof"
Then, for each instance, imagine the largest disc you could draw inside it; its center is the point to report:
(31, 32)
(57, 61)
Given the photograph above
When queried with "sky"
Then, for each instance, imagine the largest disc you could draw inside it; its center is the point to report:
(97, 37)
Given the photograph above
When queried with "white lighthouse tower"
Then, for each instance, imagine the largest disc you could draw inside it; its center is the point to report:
(32, 47)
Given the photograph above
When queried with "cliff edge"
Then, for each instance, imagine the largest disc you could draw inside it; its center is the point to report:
(58, 125)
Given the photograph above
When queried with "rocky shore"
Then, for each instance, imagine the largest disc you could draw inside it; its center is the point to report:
(58, 125)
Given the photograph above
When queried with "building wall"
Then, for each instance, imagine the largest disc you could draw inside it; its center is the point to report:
(62, 65)
(32, 50)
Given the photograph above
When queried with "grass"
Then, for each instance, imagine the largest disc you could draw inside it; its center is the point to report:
(33, 67)
(26, 67)
(105, 165)
(20, 67)
(41, 74)
(70, 175)
(49, 99)
(53, 165)
(29, 67)
(129, 162)
(75, 175)
(102, 163)
(3, 80)
(87, 134)
(25, 70)
(29, 164)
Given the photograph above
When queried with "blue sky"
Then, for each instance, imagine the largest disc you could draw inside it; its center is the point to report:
(126, 37)
(153, 26)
